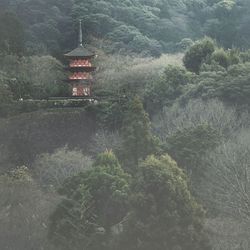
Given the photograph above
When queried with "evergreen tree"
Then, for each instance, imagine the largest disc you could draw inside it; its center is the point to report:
(198, 54)
(164, 214)
(95, 202)
(189, 145)
(167, 89)
(138, 142)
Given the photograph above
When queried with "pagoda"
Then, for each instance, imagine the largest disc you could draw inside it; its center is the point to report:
(80, 68)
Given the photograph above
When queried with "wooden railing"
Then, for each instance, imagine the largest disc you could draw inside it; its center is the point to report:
(80, 63)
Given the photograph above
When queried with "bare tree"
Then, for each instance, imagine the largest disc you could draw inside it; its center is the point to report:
(224, 188)
(53, 169)
(214, 113)
(225, 192)
(132, 73)
(104, 140)
(227, 233)
(226, 185)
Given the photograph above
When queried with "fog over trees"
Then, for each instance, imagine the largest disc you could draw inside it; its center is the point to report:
(157, 158)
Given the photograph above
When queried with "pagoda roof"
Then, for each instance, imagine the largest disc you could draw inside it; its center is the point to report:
(80, 51)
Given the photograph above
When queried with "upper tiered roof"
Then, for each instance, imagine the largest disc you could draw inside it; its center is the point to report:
(80, 51)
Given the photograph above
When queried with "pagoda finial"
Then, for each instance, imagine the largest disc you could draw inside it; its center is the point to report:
(80, 32)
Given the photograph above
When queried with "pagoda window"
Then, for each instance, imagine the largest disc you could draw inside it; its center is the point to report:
(74, 91)
(80, 90)
(86, 91)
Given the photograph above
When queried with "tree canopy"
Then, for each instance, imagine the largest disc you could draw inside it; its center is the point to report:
(95, 202)
(164, 215)
(144, 27)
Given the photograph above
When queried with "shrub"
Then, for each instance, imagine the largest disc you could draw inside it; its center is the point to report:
(198, 54)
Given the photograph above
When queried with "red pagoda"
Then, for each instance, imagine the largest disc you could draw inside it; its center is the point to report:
(80, 68)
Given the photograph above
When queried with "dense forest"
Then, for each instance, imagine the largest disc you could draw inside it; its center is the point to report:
(133, 26)
(160, 160)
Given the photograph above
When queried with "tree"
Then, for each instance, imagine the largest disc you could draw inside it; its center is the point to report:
(221, 57)
(225, 58)
(163, 215)
(138, 142)
(95, 202)
(167, 89)
(231, 86)
(198, 53)
(197, 112)
(46, 75)
(34, 76)
(184, 44)
(128, 75)
(105, 140)
(227, 175)
(11, 34)
(224, 191)
(226, 233)
(187, 147)
(51, 170)
(24, 211)
(6, 96)
(223, 22)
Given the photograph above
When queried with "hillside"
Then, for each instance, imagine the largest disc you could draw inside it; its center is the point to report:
(133, 26)
(152, 153)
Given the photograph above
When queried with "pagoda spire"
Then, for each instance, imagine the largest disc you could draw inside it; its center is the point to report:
(80, 33)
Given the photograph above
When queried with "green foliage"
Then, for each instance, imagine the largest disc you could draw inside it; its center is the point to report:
(34, 77)
(95, 202)
(164, 215)
(224, 21)
(24, 211)
(109, 113)
(20, 174)
(245, 56)
(221, 57)
(100, 209)
(188, 146)
(225, 58)
(11, 34)
(138, 142)
(144, 27)
(105, 140)
(167, 89)
(234, 56)
(231, 86)
(47, 25)
(130, 38)
(6, 96)
(198, 54)
(212, 66)
(185, 44)
(134, 26)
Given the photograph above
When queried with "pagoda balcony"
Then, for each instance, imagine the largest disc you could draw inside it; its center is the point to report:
(80, 76)
(79, 68)
(80, 63)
